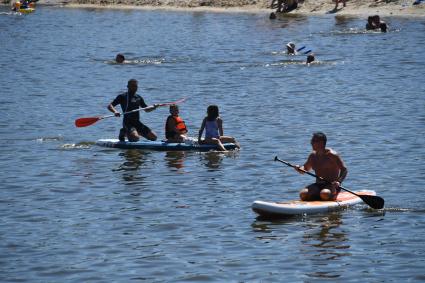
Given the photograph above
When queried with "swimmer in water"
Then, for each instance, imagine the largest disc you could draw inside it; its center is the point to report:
(290, 48)
(120, 58)
(310, 59)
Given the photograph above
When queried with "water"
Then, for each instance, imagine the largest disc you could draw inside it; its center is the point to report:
(74, 212)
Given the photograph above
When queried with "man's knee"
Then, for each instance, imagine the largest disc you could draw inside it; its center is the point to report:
(304, 194)
(133, 137)
(326, 194)
(151, 136)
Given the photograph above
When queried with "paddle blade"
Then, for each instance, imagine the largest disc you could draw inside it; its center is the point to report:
(174, 102)
(84, 122)
(373, 201)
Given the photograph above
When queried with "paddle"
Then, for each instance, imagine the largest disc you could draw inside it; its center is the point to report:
(306, 52)
(299, 49)
(373, 201)
(87, 121)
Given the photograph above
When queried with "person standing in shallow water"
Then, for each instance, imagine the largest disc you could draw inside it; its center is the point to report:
(327, 164)
(374, 23)
(132, 127)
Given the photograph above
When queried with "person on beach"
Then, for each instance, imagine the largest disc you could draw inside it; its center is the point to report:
(119, 58)
(374, 23)
(337, 3)
(213, 126)
(290, 48)
(175, 128)
(327, 164)
(290, 5)
(132, 127)
(284, 6)
(310, 59)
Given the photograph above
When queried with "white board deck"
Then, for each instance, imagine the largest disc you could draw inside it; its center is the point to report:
(294, 207)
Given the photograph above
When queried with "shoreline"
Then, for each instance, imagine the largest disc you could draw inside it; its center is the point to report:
(357, 8)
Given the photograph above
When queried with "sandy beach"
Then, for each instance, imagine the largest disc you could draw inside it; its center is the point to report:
(315, 7)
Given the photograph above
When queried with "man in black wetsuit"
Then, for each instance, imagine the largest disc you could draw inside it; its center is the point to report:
(132, 127)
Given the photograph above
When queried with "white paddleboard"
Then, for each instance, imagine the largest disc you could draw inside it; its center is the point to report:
(294, 207)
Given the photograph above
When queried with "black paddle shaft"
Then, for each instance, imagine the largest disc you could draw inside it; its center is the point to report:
(373, 201)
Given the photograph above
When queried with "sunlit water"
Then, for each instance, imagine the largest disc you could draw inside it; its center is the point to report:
(74, 212)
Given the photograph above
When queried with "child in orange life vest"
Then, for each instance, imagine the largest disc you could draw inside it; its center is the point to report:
(175, 128)
(213, 126)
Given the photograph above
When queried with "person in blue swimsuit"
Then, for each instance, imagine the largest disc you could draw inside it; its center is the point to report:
(132, 127)
(213, 126)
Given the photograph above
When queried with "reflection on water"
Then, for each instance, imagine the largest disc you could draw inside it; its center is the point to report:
(212, 159)
(323, 244)
(175, 159)
(134, 161)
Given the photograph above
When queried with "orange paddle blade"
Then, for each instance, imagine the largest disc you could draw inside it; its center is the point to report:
(84, 122)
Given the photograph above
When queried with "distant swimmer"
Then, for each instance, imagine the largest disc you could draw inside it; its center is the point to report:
(290, 48)
(310, 59)
(120, 58)
(374, 23)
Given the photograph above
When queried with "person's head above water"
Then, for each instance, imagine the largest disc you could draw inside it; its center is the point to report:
(370, 20)
(376, 19)
(290, 47)
(310, 58)
(120, 58)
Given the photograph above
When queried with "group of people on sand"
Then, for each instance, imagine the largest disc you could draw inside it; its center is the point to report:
(286, 6)
(175, 128)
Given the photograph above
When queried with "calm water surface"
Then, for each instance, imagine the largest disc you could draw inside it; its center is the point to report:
(74, 212)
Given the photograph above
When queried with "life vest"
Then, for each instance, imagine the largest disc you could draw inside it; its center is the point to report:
(180, 125)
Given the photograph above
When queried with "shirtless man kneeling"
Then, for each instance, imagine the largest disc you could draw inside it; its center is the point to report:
(327, 164)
